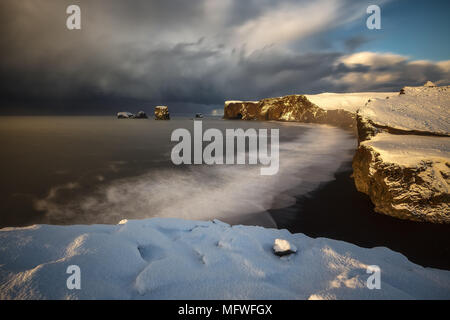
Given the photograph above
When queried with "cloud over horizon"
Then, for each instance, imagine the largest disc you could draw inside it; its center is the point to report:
(188, 54)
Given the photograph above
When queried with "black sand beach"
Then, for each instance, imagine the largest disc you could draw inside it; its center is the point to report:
(338, 211)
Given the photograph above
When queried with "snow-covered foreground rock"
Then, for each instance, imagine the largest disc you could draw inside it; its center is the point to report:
(403, 160)
(178, 259)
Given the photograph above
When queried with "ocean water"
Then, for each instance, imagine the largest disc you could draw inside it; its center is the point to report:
(91, 170)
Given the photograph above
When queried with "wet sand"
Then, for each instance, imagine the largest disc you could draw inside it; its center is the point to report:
(338, 211)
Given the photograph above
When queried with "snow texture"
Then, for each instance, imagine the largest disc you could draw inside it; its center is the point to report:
(410, 150)
(346, 101)
(283, 247)
(423, 109)
(180, 259)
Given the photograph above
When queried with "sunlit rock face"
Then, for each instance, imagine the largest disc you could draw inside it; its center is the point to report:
(291, 108)
(288, 108)
(403, 158)
(341, 118)
(245, 110)
(162, 113)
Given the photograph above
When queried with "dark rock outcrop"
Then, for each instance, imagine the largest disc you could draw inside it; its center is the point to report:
(141, 115)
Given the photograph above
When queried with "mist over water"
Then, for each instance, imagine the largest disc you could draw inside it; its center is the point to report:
(143, 183)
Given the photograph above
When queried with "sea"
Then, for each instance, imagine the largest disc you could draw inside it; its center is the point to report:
(68, 170)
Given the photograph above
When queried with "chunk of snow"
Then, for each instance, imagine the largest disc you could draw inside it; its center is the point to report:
(282, 247)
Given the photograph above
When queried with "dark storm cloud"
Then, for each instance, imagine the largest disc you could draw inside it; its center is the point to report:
(182, 53)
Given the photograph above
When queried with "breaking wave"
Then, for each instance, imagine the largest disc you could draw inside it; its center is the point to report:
(231, 193)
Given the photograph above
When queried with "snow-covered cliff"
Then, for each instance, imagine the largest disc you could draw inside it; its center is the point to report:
(403, 159)
(337, 109)
(415, 124)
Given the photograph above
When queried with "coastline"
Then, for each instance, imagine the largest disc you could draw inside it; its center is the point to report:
(336, 210)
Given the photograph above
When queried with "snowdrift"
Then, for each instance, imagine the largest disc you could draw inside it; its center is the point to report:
(181, 259)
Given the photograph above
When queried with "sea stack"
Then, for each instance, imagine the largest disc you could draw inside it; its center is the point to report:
(124, 115)
(162, 113)
(141, 115)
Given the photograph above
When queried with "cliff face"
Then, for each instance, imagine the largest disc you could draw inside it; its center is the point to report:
(403, 158)
(288, 108)
(415, 188)
(245, 110)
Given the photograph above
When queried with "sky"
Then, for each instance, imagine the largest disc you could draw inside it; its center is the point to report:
(193, 55)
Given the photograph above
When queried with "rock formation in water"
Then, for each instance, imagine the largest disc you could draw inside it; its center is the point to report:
(124, 115)
(403, 158)
(162, 113)
(129, 115)
(141, 115)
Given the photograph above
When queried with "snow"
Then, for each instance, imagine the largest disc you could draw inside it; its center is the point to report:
(182, 259)
(425, 109)
(347, 101)
(332, 101)
(282, 247)
(228, 102)
(410, 150)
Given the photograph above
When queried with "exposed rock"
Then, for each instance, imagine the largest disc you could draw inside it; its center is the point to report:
(288, 108)
(341, 118)
(125, 115)
(405, 176)
(162, 113)
(403, 158)
(365, 128)
(429, 84)
(283, 247)
(291, 108)
(416, 189)
(141, 115)
(245, 110)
